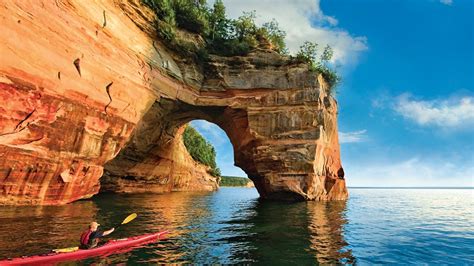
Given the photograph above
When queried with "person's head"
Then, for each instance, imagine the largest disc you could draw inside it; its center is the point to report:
(93, 226)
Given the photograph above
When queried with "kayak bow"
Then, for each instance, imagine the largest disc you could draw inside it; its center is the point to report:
(109, 248)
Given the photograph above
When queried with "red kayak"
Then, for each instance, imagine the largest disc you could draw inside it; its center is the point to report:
(109, 248)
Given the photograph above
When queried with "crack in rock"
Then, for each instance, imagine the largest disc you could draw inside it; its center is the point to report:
(24, 119)
(77, 63)
(105, 20)
(107, 89)
(19, 128)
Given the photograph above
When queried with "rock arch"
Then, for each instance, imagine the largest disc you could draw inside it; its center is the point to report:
(276, 135)
(115, 97)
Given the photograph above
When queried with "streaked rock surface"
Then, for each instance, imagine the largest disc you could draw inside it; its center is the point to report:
(87, 89)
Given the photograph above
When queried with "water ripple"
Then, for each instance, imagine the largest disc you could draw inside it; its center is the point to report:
(232, 226)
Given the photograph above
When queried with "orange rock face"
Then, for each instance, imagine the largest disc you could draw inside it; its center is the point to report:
(170, 169)
(86, 90)
(51, 147)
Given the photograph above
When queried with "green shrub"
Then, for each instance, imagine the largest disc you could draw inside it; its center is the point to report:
(215, 172)
(331, 77)
(231, 37)
(219, 25)
(244, 27)
(191, 16)
(327, 54)
(228, 37)
(309, 53)
(200, 149)
(164, 10)
(223, 36)
(166, 31)
(275, 35)
(229, 47)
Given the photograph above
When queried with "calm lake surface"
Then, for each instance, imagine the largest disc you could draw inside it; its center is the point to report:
(375, 226)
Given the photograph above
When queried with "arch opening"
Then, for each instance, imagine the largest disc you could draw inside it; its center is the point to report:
(222, 148)
(285, 153)
(156, 160)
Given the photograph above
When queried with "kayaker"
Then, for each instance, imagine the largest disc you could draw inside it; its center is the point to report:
(90, 238)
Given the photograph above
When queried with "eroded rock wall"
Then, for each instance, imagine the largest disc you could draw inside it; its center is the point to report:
(85, 84)
(171, 168)
(74, 83)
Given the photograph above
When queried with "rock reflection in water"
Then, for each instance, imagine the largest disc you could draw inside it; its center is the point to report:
(182, 213)
(326, 225)
(291, 233)
(230, 226)
(27, 230)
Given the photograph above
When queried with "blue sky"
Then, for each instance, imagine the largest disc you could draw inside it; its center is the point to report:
(406, 103)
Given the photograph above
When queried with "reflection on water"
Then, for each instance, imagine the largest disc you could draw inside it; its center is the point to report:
(327, 220)
(229, 226)
(29, 230)
(233, 226)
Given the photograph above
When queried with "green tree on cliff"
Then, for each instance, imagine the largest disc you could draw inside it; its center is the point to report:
(200, 149)
(309, 53)
(327, 54)
(218, 23)
(192, 15)
(275, 35)
(244, 26)
(228, 37)
(222, 35)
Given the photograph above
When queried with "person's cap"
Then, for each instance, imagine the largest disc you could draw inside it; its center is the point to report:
(94, 224)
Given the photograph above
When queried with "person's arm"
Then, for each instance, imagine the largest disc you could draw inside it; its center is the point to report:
(108, 232)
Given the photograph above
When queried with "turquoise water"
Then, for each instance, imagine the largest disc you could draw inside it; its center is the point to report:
(375, 226)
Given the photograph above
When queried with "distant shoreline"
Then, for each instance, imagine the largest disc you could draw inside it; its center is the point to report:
(235, 181)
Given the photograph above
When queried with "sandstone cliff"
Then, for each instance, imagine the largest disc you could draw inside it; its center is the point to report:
(171, 168)
(85, 85)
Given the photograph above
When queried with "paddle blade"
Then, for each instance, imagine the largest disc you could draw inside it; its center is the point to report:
(65, 250)
(129, 218)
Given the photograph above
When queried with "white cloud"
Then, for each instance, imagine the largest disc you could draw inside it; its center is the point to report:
(446, 2)
(213, 132)
(352, 137)
(441, 113)
(204, 125)
(228, 169)
(412, 172)
(303, 20)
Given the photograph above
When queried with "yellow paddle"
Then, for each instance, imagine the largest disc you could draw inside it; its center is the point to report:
(71, 249)
(65, 250)
(129, 218)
